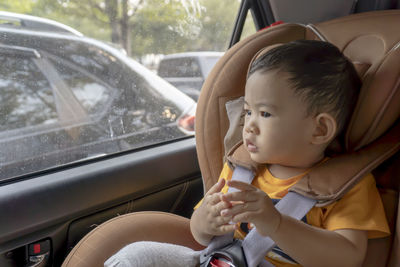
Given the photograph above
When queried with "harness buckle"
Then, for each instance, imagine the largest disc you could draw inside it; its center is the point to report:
(231, 255)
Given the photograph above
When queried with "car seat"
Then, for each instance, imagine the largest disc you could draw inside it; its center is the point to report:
(372, 42)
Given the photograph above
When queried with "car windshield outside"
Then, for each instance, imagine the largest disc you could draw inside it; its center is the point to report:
(187, 71)
(78, 79)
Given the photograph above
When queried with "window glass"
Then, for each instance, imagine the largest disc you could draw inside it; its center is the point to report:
(90, 91)
(83, 79)
(26, 98)
(208, 64)
(249, 28)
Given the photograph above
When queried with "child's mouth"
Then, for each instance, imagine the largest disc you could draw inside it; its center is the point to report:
(250, 146)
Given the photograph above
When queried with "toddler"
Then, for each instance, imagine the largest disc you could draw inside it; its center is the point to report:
(298, 98)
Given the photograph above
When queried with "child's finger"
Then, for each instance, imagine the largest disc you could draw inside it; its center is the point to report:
(223, 204)
(240, 208)
(241, 185)
(221, 220)
(212, 199)
(216, 187)
(247, 196)
(223, 199)
(227, 228)
(243, 217)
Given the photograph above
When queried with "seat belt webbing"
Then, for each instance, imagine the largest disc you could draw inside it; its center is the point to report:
(256, 246)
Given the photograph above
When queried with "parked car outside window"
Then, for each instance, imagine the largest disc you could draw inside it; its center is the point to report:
(27, 22)
(69, 98)
(187, 71)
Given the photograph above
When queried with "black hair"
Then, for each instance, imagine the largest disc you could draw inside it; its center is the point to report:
(320, 75)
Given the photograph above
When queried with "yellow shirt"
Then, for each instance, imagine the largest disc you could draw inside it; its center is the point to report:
(361, 208)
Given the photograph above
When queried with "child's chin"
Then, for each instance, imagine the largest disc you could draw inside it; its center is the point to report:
(258, 159)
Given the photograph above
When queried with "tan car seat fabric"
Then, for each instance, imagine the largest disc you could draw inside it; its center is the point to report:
(379, 249)
(395, 253)
(374, 114)
(105, 240)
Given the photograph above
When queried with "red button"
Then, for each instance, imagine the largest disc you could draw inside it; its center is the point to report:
(36, 248)
(218, 263)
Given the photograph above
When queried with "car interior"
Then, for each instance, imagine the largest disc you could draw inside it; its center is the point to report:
(372, 136)
(81, 214)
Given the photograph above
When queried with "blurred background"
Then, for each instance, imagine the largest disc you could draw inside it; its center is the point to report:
(146, 30)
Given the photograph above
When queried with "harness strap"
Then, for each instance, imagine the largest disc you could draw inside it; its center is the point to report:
(254, 245)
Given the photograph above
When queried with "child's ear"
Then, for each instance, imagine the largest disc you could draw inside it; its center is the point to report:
(325, 129)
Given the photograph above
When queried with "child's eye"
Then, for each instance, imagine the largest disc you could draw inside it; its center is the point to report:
(265, 114)
(247, 112)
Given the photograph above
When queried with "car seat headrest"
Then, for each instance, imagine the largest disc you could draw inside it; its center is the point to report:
(372, 44)
(368, 42)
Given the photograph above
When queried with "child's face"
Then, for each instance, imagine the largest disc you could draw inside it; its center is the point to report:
(277, 129)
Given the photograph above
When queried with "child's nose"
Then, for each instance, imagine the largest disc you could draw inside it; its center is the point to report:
(251, 127)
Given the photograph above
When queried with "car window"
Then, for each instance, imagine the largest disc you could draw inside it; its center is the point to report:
(93, 94)
(208, 64)
(26, 98)
(79, 81)
(248, 28)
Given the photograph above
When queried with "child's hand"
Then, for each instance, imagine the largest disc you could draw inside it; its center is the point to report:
(207, 220)
(213, 204)
(251, 205)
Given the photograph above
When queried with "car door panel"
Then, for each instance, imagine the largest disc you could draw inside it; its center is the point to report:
(64, 205)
